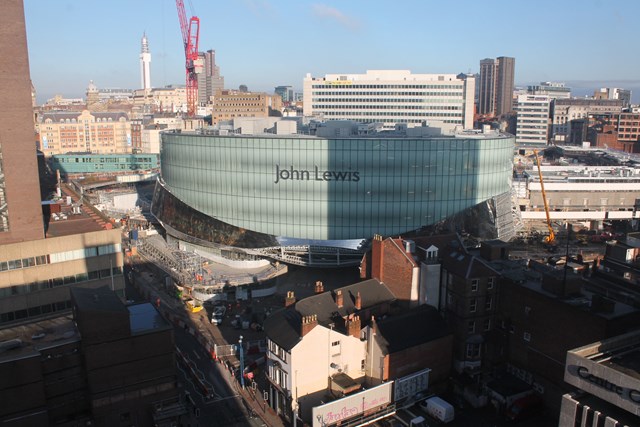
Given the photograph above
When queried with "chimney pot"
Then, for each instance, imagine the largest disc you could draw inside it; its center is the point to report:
(358, 302)
(290, 299)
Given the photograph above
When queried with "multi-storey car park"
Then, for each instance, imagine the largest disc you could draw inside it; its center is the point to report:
(288, 195)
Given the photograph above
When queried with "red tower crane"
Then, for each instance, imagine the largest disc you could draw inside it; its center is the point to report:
(193, 65)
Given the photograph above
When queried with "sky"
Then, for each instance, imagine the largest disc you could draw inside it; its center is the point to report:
(586, 44)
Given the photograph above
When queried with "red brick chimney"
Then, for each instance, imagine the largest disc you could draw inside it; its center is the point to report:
(376, 257)
(290, 299)
(352, 325)
(358, 303)
(339, 299)
(308, 323)
(319, 287)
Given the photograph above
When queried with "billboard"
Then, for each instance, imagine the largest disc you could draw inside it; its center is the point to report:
(409, 385)
(352, 405)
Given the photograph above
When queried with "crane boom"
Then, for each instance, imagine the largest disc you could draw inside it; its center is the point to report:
(193, 66)
(551, 238)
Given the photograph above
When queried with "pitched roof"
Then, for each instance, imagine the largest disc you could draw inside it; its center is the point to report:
(283, 327)
(466, 265)
(414, 327)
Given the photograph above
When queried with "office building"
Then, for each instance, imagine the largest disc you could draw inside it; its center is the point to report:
(623, 95)
(532, 121)
(233, 104)
(286, 93)
(566, 112)
(103, 365)
(496, 86)
(551, 89)
(607, 379)
(209, 81)
(391, 97)
(85, 132)
(145, 64)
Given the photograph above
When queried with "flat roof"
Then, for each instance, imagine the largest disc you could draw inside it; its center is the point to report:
(68, 222)
(144, 317)
(621, 353)
(28, 339)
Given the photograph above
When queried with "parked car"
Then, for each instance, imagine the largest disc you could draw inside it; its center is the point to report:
(525, 407)
(218, 314)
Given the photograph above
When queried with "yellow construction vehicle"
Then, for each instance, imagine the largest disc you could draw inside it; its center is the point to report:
(550, 240)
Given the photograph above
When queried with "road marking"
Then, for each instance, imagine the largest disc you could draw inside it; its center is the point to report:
(196, 354)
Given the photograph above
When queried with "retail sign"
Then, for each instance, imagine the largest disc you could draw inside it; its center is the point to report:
(625, 392)
(315, 174)
(351, 406)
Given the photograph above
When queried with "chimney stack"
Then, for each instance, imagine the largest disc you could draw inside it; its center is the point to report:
(358, 302)
(339, 299)
(353, 326)
(376, 257)
(319, 287)
(290, 299)
(308, 323)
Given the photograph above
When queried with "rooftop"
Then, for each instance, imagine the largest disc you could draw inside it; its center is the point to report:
(74, 218)
(28, 339)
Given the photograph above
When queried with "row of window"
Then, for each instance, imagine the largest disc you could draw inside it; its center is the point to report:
(387, 86)
(12, 316)
(41, 285)
(278, 351)
(377, 113)
(53, 258)
(385, 106)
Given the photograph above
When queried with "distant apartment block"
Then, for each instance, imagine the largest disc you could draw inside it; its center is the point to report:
(495, 96)
(532, 123)
(623, 95)
(286, 93)
(568, 112)
(209, 81)
(87, 132)
(233, 104)
(168, 99)
(392, 96)
(551, 89)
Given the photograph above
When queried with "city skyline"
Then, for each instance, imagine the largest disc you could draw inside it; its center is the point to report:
(264, 44)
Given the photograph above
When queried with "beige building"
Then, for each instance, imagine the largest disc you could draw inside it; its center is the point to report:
(90, 132)
(232, 104)
(168, 99)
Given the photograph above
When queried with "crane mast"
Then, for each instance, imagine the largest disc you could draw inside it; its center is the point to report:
(193, 64)
(551, 238)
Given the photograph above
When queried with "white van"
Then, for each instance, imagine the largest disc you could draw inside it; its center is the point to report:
(418, 422)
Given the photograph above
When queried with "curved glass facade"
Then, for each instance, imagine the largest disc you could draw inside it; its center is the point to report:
(332, 189)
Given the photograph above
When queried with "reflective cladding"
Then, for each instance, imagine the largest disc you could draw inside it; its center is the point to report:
(318, 188)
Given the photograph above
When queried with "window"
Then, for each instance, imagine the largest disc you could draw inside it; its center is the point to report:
(471, 327)
(526, 336)
(490, 282)
(335, 348)
(473, 351)
(473, 305)
(474, 285)
(489, 303)
(487, 325)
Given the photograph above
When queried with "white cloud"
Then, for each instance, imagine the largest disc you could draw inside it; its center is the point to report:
(329, 13)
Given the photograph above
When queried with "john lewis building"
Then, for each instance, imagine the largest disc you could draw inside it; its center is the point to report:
(252, 191)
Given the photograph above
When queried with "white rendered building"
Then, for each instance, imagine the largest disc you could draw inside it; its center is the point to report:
(532, 124)
(392, 96)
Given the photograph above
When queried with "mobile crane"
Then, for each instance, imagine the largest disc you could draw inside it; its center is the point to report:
(550, 240)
